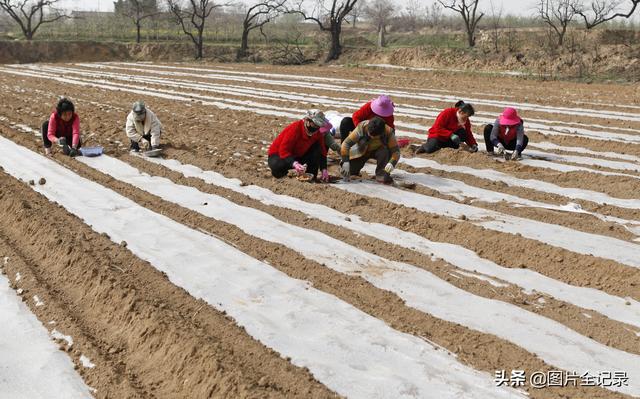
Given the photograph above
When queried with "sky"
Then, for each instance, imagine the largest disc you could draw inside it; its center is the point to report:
(519, 7)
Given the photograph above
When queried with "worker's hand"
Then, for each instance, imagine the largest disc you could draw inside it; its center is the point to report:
(473, 148)
(516, 156)
(147, 137)
(346, 170)
(62, 142)
(299, 168)
(500, 149)
(455, 139)
(389, 168)
(324, 176)
(73, 152)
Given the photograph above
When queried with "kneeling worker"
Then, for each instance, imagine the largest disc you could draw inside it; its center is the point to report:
(371, 139)
(142, 123)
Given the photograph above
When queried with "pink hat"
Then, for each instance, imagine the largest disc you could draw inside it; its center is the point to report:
(382, 106)
(326, 127)
(509, 117)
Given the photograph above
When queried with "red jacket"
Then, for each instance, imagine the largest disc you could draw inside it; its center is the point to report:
(447, 123)
(294, 142)
(365, 113)
(59, 128)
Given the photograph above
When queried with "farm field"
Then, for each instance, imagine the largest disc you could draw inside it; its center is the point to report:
(198, 274)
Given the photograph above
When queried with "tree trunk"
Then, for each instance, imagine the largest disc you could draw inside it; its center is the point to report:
(471, 38)
(199, 47)
(336, 47)
(381, 37)
(244, 45)
(138, 32)
(561, 37)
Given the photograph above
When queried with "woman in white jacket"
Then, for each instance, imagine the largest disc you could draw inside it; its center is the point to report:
(142, 123)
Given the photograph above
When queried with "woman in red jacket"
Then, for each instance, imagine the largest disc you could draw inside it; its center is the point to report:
(302, 146)
(382, 107)
(452, 127)
(63, 128)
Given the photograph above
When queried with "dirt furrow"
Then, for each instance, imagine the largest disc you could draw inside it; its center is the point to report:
(135, 317)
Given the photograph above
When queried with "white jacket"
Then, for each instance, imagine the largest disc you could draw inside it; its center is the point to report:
(135, 130)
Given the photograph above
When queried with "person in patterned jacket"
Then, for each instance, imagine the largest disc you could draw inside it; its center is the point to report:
(370, 139)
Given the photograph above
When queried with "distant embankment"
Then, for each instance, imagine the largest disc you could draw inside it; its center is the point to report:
(19, 52)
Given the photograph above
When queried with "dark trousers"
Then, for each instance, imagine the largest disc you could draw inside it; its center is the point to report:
(381, 155)
(45, 139)
(433, 144)
(511, 145)
(346, 127)
(313, 158)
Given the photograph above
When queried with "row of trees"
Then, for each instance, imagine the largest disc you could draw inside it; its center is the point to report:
(329, 16)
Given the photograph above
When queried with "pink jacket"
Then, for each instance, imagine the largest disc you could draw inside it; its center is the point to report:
(59, 128)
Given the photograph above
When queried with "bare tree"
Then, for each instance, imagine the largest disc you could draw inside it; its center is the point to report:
(412, 14)
(496, 17)
(558, 14)
(30, 15)
(357, 11)
(138, 11)
(257, 16)
(192, 17)
(468, 9)
(601, 11)
(329, 15)
(380, 12)
(434, 14)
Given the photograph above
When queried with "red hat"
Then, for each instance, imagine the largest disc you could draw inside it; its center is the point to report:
(509, 117)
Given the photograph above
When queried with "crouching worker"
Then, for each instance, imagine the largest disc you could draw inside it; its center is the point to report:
(141, 124)
(381, 107)
(302, 146)
(507, 133)
(62, 128)
(452, 127)
(371, 139)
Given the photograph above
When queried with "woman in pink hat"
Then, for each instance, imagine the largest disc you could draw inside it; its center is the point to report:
(507, 133)
(382, 107)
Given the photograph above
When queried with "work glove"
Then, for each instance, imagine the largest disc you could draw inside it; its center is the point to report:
(455, 139)
(473, 148)
(515, 156)
(324, 176)
(500, 149)
(73, 152)
(389, 168)
(62, 143)
(147, 137)
(346, 170)
(299, 168)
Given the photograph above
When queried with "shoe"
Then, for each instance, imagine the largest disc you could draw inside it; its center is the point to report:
(384, 179)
